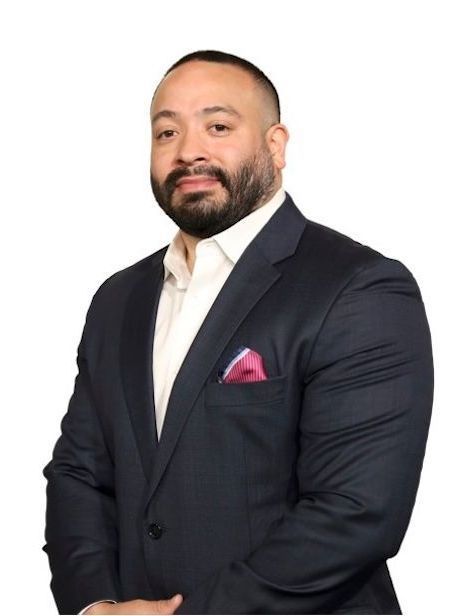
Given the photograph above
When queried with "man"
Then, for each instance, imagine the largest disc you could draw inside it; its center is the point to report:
(250, 415)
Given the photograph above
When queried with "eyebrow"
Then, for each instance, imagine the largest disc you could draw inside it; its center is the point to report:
(168, 113)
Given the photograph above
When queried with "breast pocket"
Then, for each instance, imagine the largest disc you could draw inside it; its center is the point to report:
(239, 394)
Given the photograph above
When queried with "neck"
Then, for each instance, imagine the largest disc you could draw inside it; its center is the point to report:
(190, 241)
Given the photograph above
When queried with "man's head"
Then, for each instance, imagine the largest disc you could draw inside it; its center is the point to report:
(215, 116)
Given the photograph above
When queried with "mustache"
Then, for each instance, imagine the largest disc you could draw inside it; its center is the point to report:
(183, 172)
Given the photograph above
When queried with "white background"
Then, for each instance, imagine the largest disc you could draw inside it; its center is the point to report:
(371, 94)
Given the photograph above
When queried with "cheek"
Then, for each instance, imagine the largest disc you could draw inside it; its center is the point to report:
(230, 155)
(160, 164)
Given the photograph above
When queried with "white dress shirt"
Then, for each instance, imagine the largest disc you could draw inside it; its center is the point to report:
(186, 298)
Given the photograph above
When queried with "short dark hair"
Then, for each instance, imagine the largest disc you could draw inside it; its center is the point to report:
(210, 55)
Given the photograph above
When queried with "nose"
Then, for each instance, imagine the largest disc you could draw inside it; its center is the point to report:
(191, 149)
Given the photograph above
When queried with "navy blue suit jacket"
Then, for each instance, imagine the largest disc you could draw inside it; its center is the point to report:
(283, 496)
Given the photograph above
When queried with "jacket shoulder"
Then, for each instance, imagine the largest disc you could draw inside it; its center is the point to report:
(133, 271)
(118, 285)
(327, 241)
(338, 255)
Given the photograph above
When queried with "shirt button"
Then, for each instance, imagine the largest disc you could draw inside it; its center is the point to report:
(155, 531)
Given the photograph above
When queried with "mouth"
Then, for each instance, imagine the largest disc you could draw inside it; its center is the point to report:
(199, 183)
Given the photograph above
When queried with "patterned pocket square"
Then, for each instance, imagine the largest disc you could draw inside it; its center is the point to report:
(244, 366)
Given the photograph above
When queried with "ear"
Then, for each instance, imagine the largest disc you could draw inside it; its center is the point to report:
(277, 137)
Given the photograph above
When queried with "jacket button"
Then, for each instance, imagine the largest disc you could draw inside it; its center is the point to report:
(155, 531)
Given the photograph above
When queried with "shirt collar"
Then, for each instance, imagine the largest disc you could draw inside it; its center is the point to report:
(232, 241)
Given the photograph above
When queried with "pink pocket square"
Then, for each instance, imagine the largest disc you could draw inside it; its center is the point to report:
(245, 366)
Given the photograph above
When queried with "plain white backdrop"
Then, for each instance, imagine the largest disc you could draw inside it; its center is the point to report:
(371, 94)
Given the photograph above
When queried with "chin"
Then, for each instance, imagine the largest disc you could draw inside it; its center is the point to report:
(203, 196)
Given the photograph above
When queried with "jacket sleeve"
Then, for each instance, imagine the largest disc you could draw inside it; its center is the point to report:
(81, 529)
(364, 419)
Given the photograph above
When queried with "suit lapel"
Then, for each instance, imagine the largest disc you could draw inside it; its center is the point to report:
(244, 287)
(252, 276)
(136, 356)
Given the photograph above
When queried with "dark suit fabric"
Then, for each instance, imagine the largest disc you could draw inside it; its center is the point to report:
(283, 496)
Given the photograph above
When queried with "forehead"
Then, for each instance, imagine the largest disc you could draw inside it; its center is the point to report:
(198, 84)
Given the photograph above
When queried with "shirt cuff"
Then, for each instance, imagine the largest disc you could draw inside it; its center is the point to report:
(91, 604)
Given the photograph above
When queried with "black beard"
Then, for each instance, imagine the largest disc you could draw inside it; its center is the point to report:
(202, 215)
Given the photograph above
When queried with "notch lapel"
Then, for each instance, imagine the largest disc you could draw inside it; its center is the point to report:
(252, 276)
(136, 350)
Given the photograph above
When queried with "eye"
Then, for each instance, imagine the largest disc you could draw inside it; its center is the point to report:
(222, 128)
(164, 132)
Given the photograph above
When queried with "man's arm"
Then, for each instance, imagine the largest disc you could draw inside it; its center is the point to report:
(363, 428)
(81, 527)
